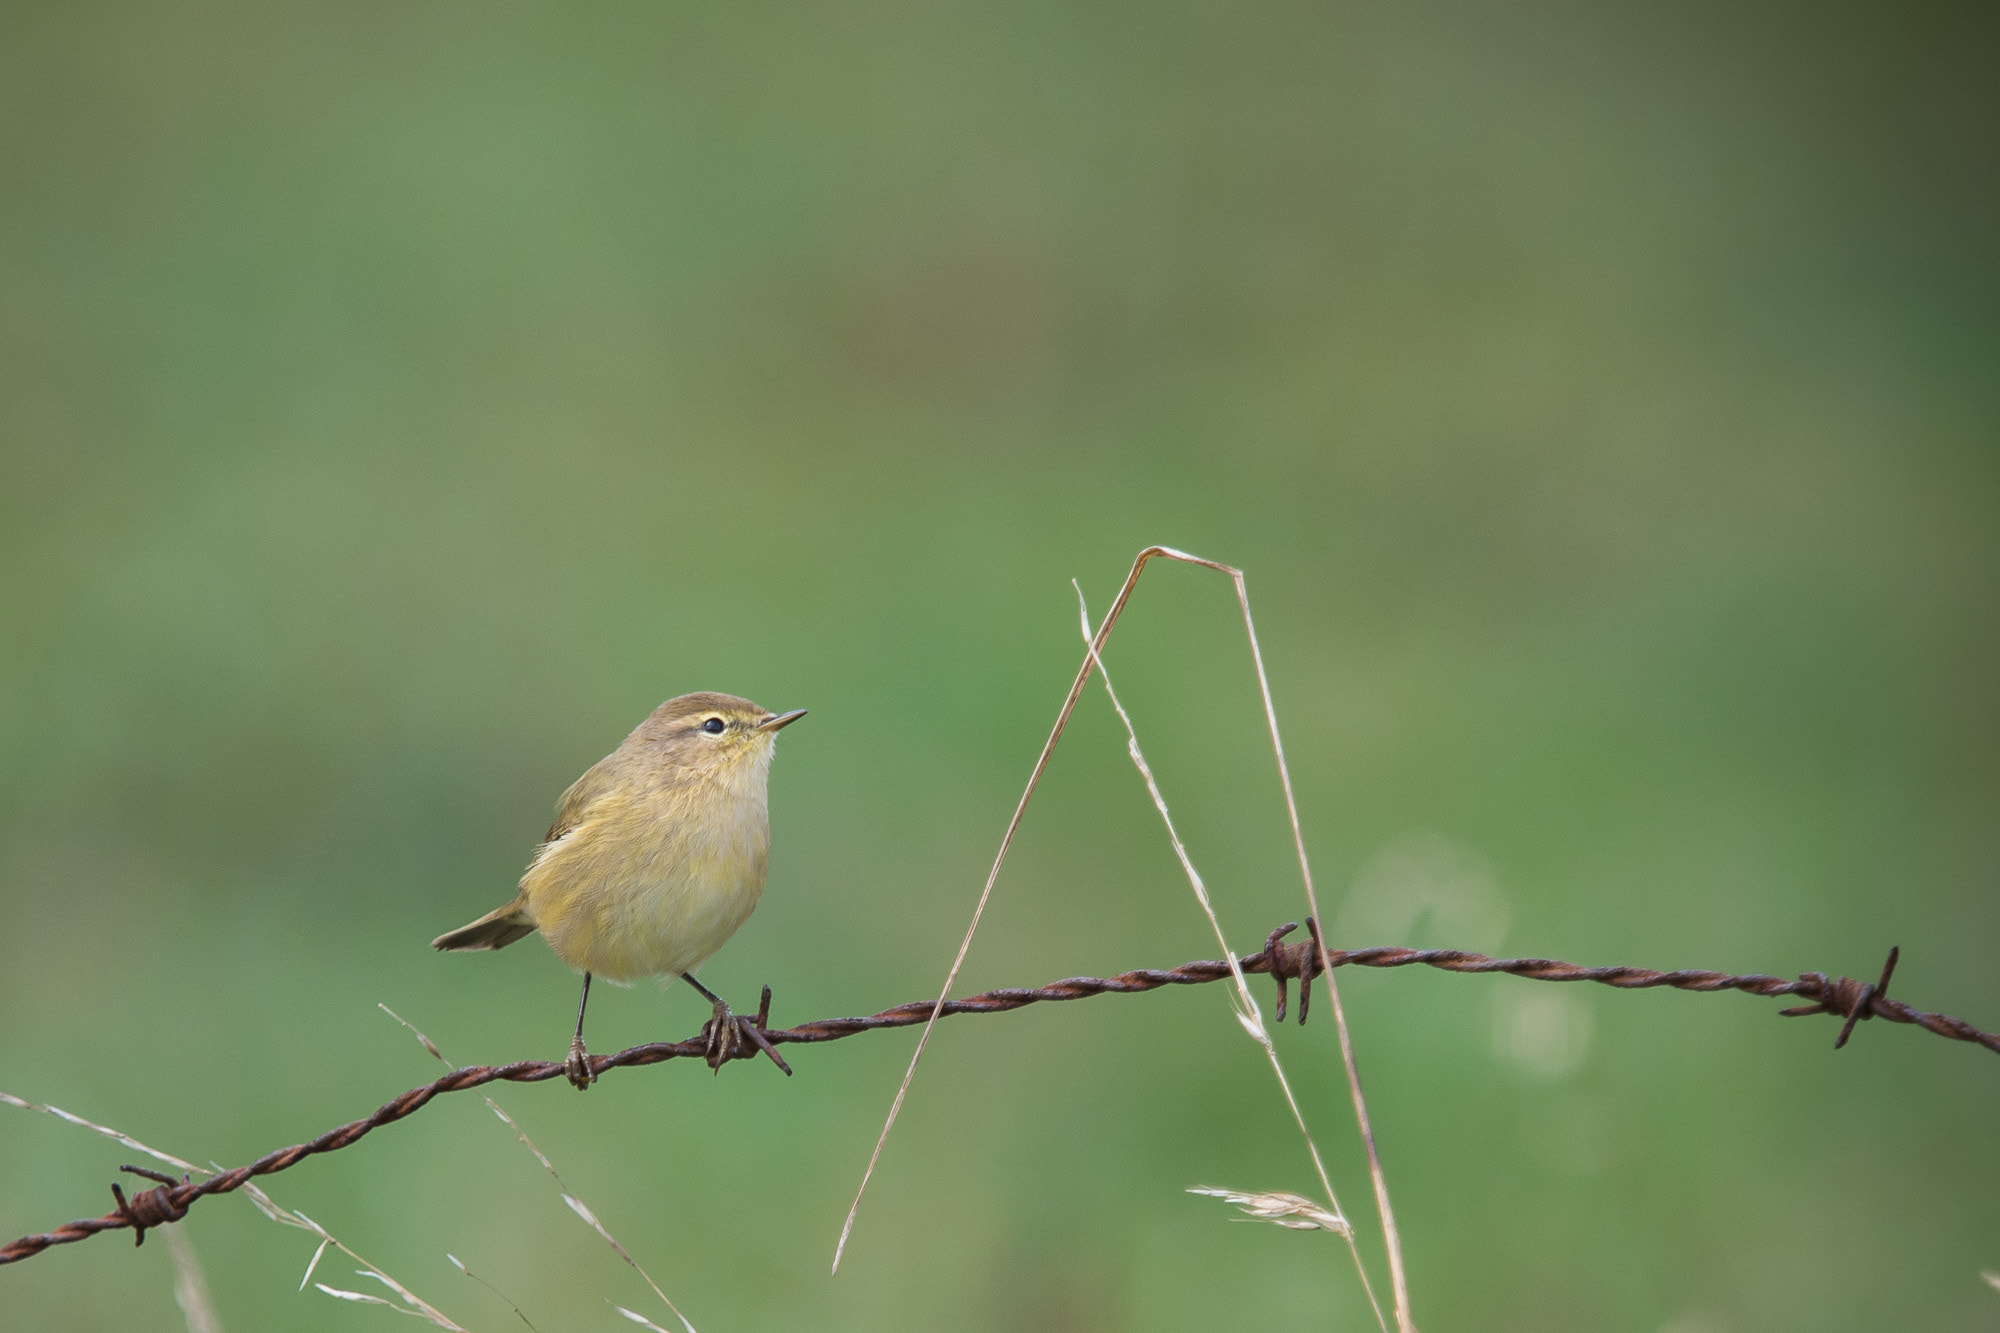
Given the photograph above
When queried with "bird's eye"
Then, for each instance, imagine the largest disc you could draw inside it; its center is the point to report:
(713, 726)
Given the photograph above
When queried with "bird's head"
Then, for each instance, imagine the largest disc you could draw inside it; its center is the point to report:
(716, 733)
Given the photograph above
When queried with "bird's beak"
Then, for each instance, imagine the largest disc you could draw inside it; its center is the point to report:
(781, 720)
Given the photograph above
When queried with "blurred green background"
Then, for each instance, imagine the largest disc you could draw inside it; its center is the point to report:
(398, 402)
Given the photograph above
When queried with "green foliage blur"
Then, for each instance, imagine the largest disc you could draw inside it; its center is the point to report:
(398, 401)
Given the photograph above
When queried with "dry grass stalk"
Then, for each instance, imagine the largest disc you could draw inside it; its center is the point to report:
(1391, 1237)
(459, 1264)
(1247, 1012)
(190, 1287)
(108, 1132)
(979, 909)
(412, 1304)
(576, 1205)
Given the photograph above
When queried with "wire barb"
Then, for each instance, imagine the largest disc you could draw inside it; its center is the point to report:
(1852, 1000)
(149, 1208)
(1855, 1000)
(1299, 959)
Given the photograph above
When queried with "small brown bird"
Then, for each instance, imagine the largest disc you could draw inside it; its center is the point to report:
(657, 855)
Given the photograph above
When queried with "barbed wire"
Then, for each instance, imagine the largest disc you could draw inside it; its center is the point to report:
(1845, 997)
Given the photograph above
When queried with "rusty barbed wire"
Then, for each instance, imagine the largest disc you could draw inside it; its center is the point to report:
(1845, 997)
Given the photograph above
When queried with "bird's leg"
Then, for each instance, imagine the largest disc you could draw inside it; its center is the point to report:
(725, 1030)
(577, 1067)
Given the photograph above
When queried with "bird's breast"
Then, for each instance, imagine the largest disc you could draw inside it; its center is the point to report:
(651, 887)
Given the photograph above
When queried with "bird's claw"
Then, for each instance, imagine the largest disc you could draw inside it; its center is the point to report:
(730, 1036)
(577, 1067)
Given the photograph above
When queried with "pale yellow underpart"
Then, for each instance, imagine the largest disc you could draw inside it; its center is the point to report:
(656, 877)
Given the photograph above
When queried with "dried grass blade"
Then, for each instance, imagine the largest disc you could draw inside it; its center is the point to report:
(318, 1254)
(366, 1298)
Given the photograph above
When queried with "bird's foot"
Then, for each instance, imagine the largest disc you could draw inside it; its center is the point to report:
(729, 1036)
(577, 1068)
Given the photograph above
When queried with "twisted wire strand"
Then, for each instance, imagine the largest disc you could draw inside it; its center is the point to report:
(1843, 997)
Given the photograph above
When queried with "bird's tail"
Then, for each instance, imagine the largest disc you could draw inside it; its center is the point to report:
(496, 930)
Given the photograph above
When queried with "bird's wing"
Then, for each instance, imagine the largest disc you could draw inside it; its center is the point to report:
(574, 807)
